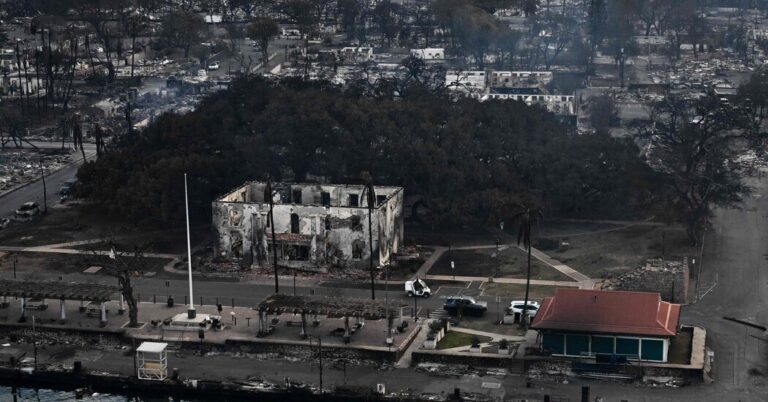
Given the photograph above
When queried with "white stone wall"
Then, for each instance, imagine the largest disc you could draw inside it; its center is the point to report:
(240, 220)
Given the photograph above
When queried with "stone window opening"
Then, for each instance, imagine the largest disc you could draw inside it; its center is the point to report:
(357, 249)
(297, 196)
(356, 223)
(296, 253)
(354, 200)
(236, 244)
(380, 199)
(325, 198)
(294, 223)
(327, 223)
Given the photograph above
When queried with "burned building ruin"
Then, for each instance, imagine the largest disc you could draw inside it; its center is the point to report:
(316, 226)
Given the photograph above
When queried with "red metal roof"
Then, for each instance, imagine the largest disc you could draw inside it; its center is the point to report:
(606, 311)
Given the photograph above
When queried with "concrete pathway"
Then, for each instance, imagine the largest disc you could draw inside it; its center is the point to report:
(53, 250)
(418, 341)
(427, 265)
(500, 280)
(494, 336)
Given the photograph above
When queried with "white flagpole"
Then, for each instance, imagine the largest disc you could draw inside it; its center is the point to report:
(191, 310)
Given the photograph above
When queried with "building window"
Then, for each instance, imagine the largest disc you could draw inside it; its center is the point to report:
(353, 200)
(236, 244)
(357, 249)
(327, 223)
(269, 221)
(325, 198)
(380, 199)
(356, 224)
(294, 223)
(297, 196)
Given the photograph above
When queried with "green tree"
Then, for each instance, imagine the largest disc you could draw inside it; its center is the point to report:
(695, 148)
(182, 29)
(263, 30)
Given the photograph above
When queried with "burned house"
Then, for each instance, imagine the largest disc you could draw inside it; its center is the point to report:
(316, 226)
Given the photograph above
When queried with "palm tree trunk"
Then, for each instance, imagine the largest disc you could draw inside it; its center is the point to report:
(527, 286)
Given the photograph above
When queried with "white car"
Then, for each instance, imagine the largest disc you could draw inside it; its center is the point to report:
(517, 307)
(213, 66)
(417, 288)
(28, 210)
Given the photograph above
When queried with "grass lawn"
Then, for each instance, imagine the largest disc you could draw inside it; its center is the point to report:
(517, 291)
(454, 339)
(510, 263)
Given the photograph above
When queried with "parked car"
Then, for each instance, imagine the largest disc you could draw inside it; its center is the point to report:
(214, 66)
(517, 307)
(417, 288)
(28, 210)
(66, 187)
(468, 305)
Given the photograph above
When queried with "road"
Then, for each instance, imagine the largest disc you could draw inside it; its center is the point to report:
(34, 191)
(736, 271)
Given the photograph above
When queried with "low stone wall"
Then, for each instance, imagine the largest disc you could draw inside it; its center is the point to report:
(669, 278)
(470, 359)
(304, 350)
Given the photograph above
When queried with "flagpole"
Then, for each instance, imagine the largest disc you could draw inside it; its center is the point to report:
(191, 310)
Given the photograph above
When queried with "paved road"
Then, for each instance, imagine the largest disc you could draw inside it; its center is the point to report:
(34, 192)
(735, 264)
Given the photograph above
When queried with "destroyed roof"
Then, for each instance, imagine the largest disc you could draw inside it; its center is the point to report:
(57, 290)
(602, 311)
(335, 307)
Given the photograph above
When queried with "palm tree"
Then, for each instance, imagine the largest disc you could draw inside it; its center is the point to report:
(269, 197)
(528, 217)
(371, 201)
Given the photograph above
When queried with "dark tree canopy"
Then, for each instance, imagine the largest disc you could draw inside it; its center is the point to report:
(470, 162)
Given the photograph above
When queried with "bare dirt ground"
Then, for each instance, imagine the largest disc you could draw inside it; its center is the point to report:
(32, 266)
(77, 222)
(509, 263)
(609, 251)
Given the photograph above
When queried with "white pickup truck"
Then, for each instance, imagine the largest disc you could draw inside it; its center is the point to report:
(417, 288)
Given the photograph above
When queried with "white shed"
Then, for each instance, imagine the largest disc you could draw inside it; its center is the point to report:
(153, 361)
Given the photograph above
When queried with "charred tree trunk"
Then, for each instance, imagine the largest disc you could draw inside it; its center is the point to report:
(126, 288)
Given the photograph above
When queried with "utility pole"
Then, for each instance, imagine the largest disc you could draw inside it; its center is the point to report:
(320, 356)
(268, 195)
(34, 341)
(45, 191)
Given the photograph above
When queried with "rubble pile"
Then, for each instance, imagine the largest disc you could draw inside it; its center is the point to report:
(53, 338)
(20, 167)
(669, 278)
